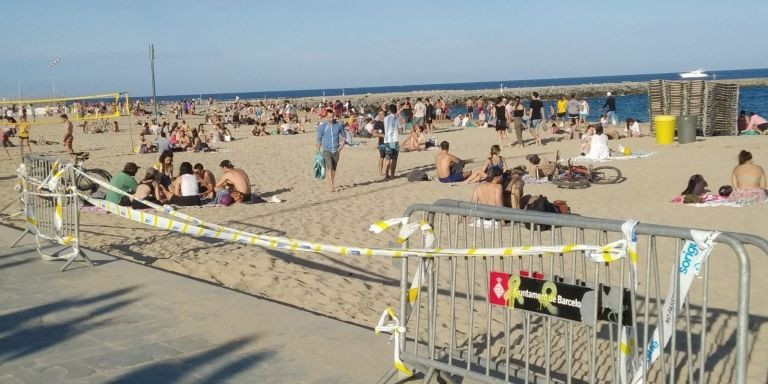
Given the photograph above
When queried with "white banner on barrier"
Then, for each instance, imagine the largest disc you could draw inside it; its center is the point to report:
(693, 255)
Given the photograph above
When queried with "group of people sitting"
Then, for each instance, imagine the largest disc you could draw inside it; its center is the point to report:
(748, 185)
(751, 124)
(497, 184)
(193, 185)
(179, 137)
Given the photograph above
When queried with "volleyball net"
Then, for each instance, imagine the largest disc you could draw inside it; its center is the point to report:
(46, 111)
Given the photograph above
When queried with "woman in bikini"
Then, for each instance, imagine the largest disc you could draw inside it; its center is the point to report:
(494, 161)
(748, 181)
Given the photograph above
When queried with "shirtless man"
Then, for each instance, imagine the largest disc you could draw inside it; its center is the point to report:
(470, 105)
(449, 167)
(206, 180)
(479, 107)
(233, 177)
(68, 136)
(489, 192)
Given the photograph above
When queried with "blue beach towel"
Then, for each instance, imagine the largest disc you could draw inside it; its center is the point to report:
(318, 166)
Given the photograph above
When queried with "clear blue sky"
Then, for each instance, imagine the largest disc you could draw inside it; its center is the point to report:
(237, 46)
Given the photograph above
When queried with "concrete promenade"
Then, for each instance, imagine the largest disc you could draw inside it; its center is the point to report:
(124, 323)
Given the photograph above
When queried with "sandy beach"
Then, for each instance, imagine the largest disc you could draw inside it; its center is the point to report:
(357, 289)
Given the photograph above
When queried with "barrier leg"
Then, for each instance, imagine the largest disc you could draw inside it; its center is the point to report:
(428, 376)
(74, 257)
(15, 242)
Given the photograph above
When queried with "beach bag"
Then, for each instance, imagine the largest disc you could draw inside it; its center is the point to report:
(226, 200)
(540, 204)
(562, 207)
(417, 175)
(318, 166)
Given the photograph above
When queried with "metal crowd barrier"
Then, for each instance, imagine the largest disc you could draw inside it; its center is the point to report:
(454, 329)
(52, 216)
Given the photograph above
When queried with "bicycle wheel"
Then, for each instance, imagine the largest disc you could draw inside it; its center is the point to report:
(88, 186)
(605, 175)
(571, 182)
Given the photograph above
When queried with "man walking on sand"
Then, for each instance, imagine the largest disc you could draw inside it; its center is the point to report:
(610, 102)
(419, 113)
(391, 142)
(68, 135)
(331, 139)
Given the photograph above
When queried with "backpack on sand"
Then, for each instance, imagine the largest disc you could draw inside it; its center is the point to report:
(540, 204)
(417, 175)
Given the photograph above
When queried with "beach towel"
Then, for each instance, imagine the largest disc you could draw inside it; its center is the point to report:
(532, 180)
(714, 200)
(615, 156)
(318, 166)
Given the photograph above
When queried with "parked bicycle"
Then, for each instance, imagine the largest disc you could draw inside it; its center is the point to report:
(580, 176)
(84, 184)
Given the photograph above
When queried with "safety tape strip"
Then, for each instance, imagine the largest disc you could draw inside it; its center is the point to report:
(393, 327)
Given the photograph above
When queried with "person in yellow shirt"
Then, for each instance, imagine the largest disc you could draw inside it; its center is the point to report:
(23, 129)
(562, 107)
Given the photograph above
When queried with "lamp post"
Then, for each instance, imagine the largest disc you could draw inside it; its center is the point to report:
(152, 68)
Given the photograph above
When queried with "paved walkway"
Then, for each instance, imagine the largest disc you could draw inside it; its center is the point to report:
(124, 323)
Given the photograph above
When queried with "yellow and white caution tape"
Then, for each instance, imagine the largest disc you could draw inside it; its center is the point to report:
(393, 327)
(383, 225)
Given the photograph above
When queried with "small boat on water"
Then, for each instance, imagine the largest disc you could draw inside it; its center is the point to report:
(697, 74)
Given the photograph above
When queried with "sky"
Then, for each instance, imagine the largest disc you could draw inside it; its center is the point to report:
(218, 46)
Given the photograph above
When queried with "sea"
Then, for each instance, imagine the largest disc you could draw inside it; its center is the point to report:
(753, 99)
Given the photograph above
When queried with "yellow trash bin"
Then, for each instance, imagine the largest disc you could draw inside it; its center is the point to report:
(665, 129)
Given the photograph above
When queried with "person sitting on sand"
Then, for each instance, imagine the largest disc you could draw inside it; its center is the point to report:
(513, 187)
(184, 190)
(457, 121)
(493, 161)
(149, 189)
(125, 182)
(206, 181)
(450, 169)
(586, 139)
(233, 182)
(416, 140)
(539, 167)
(633, 128)
(183, 141)
(598, 147)
(144, 145)
(756, 123)
(489, 191)
(748, 181)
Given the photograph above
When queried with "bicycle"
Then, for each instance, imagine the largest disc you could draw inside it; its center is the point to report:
(579, 176)
(84, 184)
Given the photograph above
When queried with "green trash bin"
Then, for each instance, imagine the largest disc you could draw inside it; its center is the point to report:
(686, 128)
